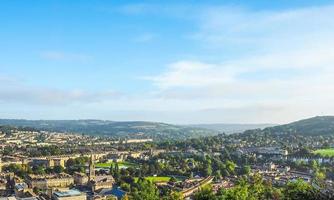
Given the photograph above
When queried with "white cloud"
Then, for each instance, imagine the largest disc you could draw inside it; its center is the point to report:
(230, 26)
(287, 64)
(191, 74)
(146, 37)
(281, 69)
(14, 91)
(65, 56)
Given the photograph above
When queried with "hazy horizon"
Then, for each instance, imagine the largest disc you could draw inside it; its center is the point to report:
(193, 62)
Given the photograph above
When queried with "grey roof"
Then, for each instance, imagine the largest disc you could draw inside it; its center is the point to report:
(69, 193)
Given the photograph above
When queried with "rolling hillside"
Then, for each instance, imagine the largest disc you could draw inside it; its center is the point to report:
(133, 129)
(231, 128)
(320, 125)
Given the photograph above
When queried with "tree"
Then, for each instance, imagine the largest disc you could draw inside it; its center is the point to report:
(217, 175)
(191, 175)
(111, 169)
(116, 172)
(257, 188)
(125, 187)
(230, 166)
(208, 170)
(172, 179)
(175, 196)
(16, 169)
(38, 170)
(58, 169)
(125, 197)
(320, 175)
(314, 165)
(298, 189)
(205, 193)
(246, 170)
(145, 189)
(239, 192)
(8, 150)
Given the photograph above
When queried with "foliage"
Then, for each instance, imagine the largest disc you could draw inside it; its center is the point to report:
(123, 164)
(145, 189)
(254, 188)
(298, 190)
(76, 165)
(17, 170)
(205, 193)
(329, 152)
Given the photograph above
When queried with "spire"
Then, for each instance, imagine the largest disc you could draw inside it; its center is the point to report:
(91, 169)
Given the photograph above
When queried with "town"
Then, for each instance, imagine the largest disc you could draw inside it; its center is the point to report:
(52, 165)
(167, 100)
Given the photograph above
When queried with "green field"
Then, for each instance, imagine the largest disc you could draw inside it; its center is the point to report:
(123, 164)
(156, 178)
(325, 152)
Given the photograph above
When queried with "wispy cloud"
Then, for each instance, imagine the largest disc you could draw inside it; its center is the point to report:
(14, 91)
(144, 38)
(292, 48)
(229, 26)
(65, 56)
(249, 66)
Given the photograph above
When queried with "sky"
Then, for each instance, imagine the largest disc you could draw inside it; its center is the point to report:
(179, 62)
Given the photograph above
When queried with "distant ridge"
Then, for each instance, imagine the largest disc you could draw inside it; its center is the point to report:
(126, 129)
(232, 128)
(319, 125)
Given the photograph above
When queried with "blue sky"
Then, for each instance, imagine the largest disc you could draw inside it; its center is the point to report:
(178, 62)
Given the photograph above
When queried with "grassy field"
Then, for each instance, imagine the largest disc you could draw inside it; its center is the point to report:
(325, 152)
(156, 178)
(123, 164)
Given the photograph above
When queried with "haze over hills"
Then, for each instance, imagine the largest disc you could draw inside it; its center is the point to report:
(133, 129)
(231, 128)
(321, 125)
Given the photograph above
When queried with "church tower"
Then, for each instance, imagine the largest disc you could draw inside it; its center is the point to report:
(91, 169)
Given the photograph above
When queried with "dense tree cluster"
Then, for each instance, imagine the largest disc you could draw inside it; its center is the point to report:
(257, 189)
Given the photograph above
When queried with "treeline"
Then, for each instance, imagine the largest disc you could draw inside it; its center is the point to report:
(255, 188)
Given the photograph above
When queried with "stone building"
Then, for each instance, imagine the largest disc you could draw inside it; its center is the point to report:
(80, 178)
(44, 182)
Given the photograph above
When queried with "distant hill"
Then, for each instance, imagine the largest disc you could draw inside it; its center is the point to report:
(133, 129)
(320, 125)
(231, 128)
(8, 129)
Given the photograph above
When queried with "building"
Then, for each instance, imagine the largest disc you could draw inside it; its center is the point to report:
(134, 154)
(69, 195)
(49, 162)
(116, 193)
(271, 166)
(98, 182)
(22, 190)
(80, 178)
(101, 182)
(44, 182)
(59, 162)
(17, 198)
(115, 157)
(4, 180)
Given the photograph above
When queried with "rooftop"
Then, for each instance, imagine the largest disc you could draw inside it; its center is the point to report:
(68, 193)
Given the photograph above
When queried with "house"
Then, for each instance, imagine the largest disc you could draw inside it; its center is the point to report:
(61, 180)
